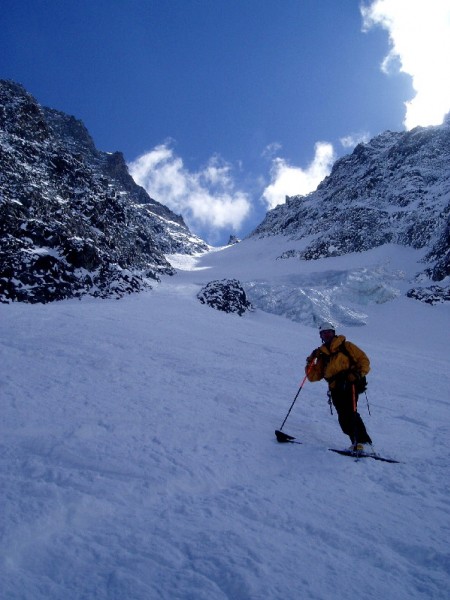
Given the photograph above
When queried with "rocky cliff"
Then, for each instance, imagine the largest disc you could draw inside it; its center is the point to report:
(393, 190)
(72, 220)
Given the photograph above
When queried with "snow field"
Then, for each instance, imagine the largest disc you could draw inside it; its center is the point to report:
(139, 459)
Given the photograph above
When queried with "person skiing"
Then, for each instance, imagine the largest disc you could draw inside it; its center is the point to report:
(344, 366)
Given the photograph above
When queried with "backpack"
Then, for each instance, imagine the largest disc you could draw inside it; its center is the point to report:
(361, 382)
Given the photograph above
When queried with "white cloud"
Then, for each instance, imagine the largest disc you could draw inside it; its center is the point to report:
(419, 34)
(288, 180)
(352, 140)
(270, 150)
(206, 199)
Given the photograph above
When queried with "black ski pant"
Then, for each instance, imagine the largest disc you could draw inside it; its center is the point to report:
(345, 400)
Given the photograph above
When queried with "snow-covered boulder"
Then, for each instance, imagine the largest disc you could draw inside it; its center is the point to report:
(431, 295)
(233, 240)
(227, 295)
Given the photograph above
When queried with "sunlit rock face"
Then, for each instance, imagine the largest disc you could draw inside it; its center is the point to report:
(393, 190)
(72, 220)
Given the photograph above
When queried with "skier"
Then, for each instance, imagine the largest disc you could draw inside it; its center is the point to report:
(344, 366)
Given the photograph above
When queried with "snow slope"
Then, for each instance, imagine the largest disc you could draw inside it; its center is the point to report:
(138, 456)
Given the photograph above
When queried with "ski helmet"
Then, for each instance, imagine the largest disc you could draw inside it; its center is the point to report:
(325, 326)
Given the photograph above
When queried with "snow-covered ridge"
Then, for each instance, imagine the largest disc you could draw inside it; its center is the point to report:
(72, 220)
(393, 190)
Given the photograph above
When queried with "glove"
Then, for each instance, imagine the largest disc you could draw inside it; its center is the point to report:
(313, 356)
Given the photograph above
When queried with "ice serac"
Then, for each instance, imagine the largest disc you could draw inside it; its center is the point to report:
(394, 189)
(72, 220)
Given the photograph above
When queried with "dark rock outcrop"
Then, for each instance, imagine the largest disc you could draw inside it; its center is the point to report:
(227, 295)
(72, 220)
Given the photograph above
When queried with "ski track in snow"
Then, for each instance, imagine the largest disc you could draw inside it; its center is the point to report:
(138, 456)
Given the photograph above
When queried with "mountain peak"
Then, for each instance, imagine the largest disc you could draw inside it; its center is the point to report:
(395, 189)
(73, 221)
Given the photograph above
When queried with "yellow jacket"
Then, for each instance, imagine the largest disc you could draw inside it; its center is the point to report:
(333, 364)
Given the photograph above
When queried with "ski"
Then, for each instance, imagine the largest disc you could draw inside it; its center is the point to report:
(284, 438)
(358, 455)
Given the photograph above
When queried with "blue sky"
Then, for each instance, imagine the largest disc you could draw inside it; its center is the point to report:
(221, 107)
